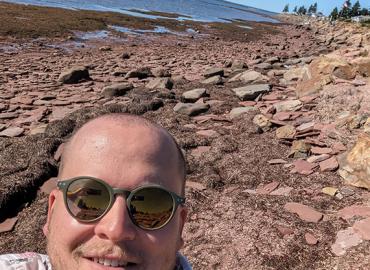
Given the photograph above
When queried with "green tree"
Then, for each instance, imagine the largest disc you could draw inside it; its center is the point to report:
(314, 8)
(334, 14)
(346, 10)
(302, 10)
(365, 12)
(356, 9)
(286, 8)
(295, 10)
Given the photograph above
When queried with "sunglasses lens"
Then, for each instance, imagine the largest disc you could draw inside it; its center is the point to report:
(151, 207)
(87, 199)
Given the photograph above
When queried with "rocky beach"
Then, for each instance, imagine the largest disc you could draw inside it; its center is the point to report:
(273, 120)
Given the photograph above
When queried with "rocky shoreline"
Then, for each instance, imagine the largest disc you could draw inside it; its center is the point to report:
(275, 130)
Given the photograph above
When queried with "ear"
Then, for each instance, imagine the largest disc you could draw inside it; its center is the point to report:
(183, 217)
(51, 204)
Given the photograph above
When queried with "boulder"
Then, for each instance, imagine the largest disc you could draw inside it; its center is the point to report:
(354, 166)
(213, 72)
(215, 80)
(262, 121)
(194, 95)
(74, 75)
(320, 72)
(191, 109)
(161, 72)
(296, 74)
(250, 92)
(115, 90)
(160, 83)
(263, 66)
(238, 65)
(362, 66)
(140, 73)
(250, 76)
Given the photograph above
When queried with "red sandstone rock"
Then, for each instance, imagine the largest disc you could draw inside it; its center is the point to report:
(311, 239)
(304, 212)
(330, 164)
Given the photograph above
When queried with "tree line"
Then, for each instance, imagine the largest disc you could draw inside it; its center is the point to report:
(302, 10)
(348, 10)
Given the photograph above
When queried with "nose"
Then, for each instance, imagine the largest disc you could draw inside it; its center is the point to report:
(116, 225)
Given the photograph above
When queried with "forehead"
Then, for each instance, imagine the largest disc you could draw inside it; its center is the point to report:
(123, 156)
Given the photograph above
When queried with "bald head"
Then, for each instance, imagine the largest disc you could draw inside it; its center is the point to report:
(117, 146)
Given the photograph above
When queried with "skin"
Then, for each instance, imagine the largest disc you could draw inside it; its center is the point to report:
(125, 156)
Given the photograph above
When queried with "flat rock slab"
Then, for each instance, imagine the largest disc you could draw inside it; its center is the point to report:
(304, 212)
(288, 105)
(250, 92)
(194, 95)
(236, 112)
(213, 72)
(285, 132)
(303, 167)
(116, 90)
(160, 83)
(345, 240)
(362, 227)
(191, 109)
(328, 165)
(215, 80)
(8, 224)
(12, 132)
(354, 211)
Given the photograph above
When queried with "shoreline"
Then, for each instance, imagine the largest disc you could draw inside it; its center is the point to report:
(252, 152)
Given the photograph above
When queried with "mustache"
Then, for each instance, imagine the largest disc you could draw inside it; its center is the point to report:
(102, 249)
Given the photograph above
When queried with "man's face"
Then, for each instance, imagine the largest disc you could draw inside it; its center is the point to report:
(124, 158)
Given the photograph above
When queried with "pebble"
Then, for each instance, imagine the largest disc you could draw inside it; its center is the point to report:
(190, 109)
(329, 191)
(310, 239)
(250, 92)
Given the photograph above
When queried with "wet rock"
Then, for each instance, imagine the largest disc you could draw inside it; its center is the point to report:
(12, 132)
(213, 72)
(140, 73)
(236, 112)
(160, 83)
(362, 227)
(354, 167)
(304, 212)
(190, 109)
(250, 76)
(74, 75)
(116, 90)
(285, 132)
(345, 240)
(262, 121)
(288, 105)
(194, 95)
(215, 80)
(250, 92)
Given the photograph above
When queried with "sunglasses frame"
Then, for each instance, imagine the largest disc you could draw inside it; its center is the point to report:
(63, 185)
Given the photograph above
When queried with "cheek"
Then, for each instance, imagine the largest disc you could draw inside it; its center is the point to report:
(65, 230)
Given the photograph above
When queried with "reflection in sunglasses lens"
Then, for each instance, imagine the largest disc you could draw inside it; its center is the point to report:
(151, 207)
(87, 199)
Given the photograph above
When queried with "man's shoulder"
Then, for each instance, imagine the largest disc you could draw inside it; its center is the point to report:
(26, 261)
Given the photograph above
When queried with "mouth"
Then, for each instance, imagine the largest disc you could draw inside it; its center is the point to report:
(112, 263)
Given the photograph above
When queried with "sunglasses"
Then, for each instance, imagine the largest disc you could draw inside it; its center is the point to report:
(88, 199)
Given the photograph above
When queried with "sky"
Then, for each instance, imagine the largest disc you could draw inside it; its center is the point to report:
(325, 6)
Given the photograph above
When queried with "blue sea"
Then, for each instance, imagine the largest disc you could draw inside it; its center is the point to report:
(199, 10)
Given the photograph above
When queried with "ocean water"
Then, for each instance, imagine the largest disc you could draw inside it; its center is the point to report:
(199, 10)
